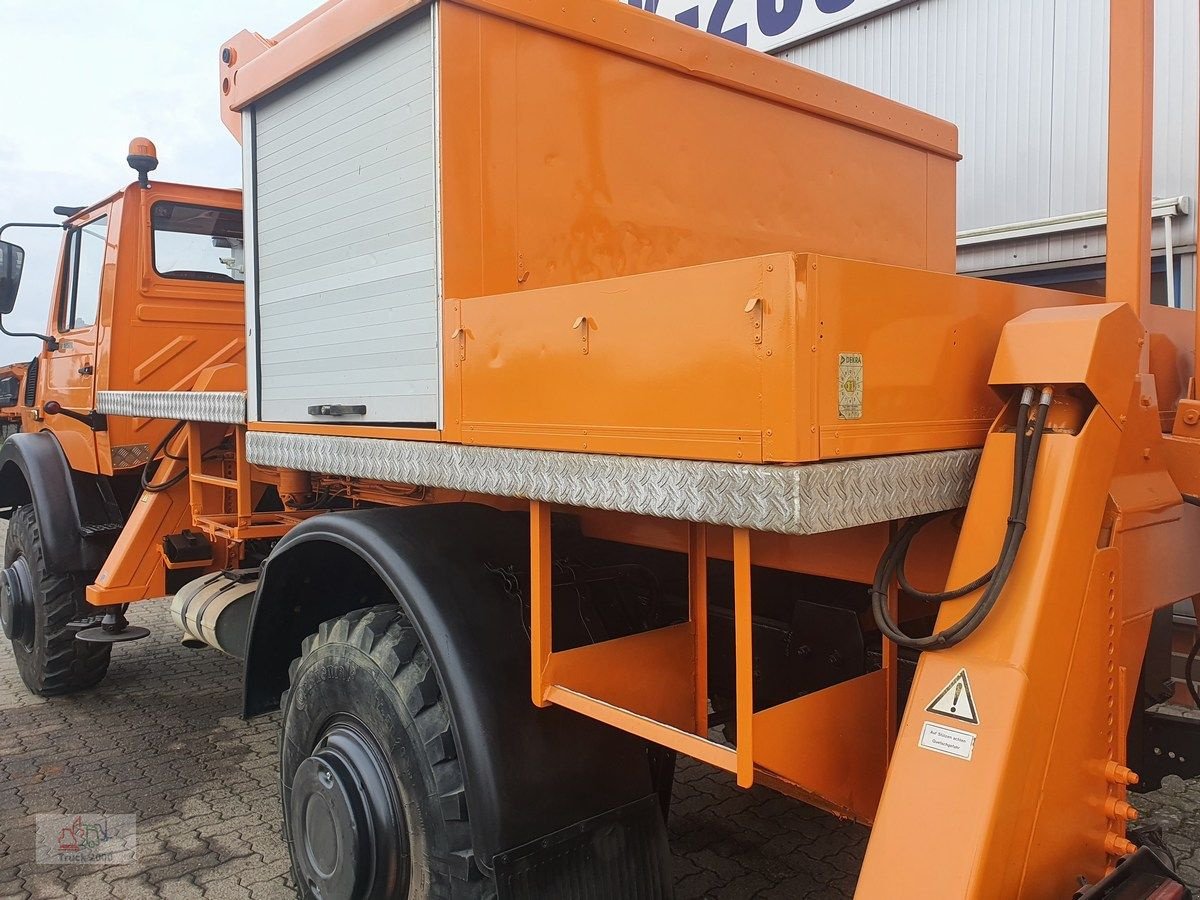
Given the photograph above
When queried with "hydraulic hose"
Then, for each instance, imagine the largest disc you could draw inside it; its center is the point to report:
(891, 566)
(1189, 673)
(1018, 475)
(147, 486)
(152, 488)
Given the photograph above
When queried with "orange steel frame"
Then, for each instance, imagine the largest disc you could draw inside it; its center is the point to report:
(1041, 799)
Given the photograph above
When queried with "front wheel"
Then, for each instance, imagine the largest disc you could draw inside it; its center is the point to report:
(372, 787)
(36, 609)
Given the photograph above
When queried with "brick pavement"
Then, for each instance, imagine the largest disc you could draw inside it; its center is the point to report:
(161, 738)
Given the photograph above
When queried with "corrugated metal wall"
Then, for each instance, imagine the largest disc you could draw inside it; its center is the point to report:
(1026, 82)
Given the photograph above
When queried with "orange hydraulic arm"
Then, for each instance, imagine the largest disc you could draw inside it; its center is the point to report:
(1021, 789)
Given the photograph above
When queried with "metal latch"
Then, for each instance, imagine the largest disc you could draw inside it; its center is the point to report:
(337, 409)
(754, 307)
(583, 323)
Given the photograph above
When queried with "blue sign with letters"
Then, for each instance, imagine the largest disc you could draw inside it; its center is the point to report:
(764, 24)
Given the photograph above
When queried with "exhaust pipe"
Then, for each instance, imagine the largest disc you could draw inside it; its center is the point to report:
(214, 611)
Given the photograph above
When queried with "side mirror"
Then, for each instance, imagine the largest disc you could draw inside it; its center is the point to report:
(12, 261)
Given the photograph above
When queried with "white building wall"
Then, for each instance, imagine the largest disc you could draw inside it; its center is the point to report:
(1026, 81)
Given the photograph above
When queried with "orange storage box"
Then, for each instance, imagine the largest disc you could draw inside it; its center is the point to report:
(777, 358)
(405, 155)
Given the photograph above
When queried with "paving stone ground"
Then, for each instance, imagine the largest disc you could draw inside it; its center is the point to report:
(161, 738)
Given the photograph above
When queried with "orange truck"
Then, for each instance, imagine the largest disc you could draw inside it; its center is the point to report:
(608, 394)
(148, 293)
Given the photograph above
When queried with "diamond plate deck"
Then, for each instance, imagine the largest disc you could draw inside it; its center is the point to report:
(804, 499)
(228, 407)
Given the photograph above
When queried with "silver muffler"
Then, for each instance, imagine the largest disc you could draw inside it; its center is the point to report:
(214, 611)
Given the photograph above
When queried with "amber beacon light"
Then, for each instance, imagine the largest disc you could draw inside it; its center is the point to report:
(143, 159)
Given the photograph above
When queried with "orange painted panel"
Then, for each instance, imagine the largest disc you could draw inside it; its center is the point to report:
(150, 334)
(1060, 345)
(662, 364)
(777, 358)
(160, 334)
(564, 162)
(831, 743)
(926, 340)
(253, 66)
(1172, 336)
(649, 674)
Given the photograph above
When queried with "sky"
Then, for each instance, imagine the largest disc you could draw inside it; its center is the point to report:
(82, 78)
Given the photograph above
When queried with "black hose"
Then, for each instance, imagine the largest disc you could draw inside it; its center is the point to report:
(1018, 474)
(1025, 458)
(1189, 676)
(178, 476)
(161, 448)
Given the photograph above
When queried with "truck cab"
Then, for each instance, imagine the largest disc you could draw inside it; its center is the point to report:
(148, 293)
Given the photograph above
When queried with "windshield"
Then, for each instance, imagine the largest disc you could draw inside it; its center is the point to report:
(199, 243)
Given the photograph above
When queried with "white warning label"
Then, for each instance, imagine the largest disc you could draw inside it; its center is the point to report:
(956, 700)
(850, 385)
(950, 741)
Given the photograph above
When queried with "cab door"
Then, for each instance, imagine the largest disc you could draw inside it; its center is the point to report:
(88, 259)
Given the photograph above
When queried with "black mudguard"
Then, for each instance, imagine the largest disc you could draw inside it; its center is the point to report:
(529, 772)
(34, 469)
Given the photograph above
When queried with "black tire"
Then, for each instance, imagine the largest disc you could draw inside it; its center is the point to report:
(51, 661)
(367, 749)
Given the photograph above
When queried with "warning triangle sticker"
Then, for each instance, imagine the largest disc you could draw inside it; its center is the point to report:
(956, 700)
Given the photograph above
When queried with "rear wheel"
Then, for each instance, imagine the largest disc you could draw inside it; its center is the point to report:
(36, 608)
(372, 787)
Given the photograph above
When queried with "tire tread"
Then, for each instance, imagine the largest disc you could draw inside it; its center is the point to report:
(67, 665)
(385, 635)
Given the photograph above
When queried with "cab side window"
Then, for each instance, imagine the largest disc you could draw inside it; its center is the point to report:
(85, 266)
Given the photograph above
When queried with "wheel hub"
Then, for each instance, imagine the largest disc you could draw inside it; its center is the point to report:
(16, 602)
(345, 821)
